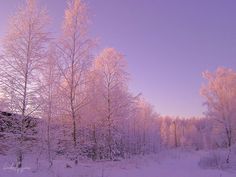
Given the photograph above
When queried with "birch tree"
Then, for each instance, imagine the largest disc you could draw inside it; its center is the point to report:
(50, 99)
(74, 58)
(110, 67)
(220, 95)
(24, 49)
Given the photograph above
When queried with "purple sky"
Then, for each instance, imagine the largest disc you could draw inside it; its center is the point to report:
(167, 43)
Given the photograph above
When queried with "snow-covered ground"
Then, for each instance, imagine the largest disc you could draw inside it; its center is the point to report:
(169, 164)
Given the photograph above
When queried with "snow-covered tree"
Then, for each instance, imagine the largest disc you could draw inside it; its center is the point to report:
(24, 50)
(220, 95)
(74, 52)
(109, 67)
(50, 99)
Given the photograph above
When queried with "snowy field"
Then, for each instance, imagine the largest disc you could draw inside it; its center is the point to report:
(169, 164)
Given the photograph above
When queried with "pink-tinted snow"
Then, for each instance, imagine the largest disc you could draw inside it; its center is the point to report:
(173, 164)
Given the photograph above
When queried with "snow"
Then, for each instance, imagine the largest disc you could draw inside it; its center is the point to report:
(167, 164)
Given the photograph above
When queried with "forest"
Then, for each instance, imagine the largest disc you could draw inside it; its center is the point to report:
(58, 100)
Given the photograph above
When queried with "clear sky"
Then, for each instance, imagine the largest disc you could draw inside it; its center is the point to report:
(167, 43)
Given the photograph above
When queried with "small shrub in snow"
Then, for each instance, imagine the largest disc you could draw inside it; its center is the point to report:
(68, 166)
